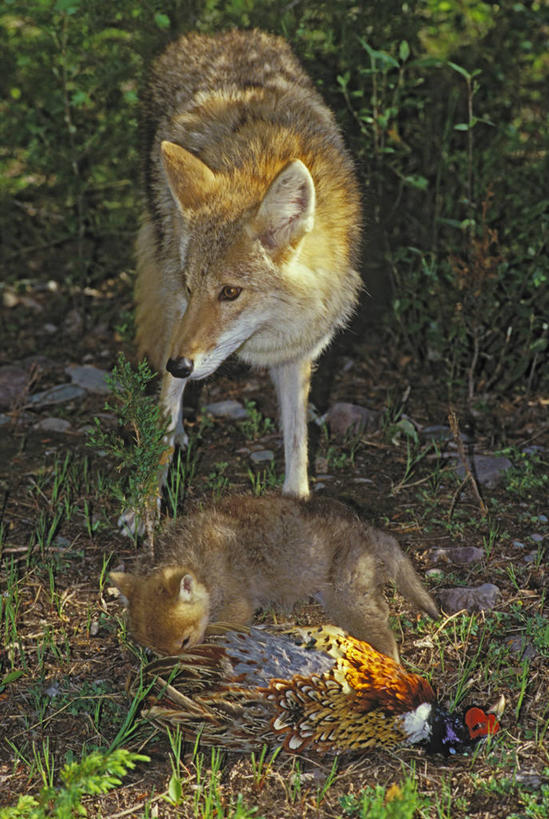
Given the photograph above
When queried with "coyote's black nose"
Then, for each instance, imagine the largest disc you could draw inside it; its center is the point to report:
(180, 367)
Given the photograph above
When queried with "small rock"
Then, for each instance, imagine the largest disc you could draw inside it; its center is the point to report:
(52, 425)
(4, 419)
(94, 628)
(262, 456)
(74, 323)
(530, 779)
(49, 328)
(537, 538)
(90, 378)
(534, 449)
(519, 544)
(543, 518)
(13, 381)
(53, 690)
(521, 648)
(478, 598)
(531, 557)
(9, 298)
(321, 465)
(461, 555)
(487, 469)
(434, 573)
(350, 419)
(227, 409)
(57, 395)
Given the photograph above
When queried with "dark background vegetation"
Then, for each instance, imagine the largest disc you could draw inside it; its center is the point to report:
(444, 106)
(443, 103)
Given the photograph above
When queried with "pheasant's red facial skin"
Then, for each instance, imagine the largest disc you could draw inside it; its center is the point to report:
(480, 724)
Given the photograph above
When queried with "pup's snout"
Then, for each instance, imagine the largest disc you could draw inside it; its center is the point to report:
(180, 367)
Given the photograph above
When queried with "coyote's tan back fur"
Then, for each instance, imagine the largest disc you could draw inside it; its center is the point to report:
(224, 562)
(251, 230)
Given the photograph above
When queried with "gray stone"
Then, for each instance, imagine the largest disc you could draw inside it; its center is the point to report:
(52, 425)
(350, 419)
(487, 469)
(13, 382)
(57, 395)
(478, 598)
(461, 555)
(262, 456)
(521, 647)
(534, 449)
(74, 323)
(90, 378)
(227, 409)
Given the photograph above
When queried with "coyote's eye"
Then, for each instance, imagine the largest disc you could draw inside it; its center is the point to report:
(229, 293)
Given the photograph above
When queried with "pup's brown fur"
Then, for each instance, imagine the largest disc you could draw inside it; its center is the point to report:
(224, 562)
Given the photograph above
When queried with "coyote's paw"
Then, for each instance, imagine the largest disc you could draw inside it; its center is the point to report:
(181, 438)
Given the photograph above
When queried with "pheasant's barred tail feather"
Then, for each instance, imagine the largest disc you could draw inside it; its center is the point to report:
(305, 688)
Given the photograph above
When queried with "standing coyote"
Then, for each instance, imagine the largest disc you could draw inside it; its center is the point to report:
(251, 228)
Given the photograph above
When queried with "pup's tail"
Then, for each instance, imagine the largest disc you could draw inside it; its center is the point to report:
(400, 569)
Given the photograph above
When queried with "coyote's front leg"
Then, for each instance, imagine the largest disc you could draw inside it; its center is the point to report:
(292, 383)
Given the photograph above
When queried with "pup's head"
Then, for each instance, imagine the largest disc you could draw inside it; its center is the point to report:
(168, 610)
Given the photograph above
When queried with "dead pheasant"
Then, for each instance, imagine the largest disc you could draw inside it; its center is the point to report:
(305, 688)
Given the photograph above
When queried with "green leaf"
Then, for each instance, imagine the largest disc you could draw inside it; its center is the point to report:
(460, 70)
(175, 789)
(417, 181)
(162, 20)
(404, 51)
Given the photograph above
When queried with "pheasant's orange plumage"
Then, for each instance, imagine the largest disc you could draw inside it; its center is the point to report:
(303, 688)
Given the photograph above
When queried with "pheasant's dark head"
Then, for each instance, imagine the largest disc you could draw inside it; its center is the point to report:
(456, 733)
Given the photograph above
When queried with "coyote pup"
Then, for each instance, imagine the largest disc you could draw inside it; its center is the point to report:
(223, 562)
(251, 227)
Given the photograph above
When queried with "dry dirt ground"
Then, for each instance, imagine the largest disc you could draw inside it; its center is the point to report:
(65, 658)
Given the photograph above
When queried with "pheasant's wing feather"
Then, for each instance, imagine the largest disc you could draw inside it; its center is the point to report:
(294, 686)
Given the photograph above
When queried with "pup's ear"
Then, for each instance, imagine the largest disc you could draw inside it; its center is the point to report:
(187, 588)
(287, 211)
(125, 583)
(190, 180)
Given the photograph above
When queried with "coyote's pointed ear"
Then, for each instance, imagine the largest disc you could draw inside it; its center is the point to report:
(287, 211)
(125, 583)
(190, 180)
(187, 588)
